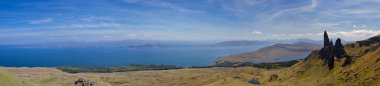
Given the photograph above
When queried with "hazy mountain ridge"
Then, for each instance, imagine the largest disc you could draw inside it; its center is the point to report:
(276, 50)
(239, 43)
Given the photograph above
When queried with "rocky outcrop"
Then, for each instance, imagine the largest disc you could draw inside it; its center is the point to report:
(369, 41)
(339, 51)
(330, 52)
(83, 82)
(326, 39)
(327, 54)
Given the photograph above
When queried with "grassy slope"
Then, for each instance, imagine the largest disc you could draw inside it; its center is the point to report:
(49, 77)
(8, 79)
(182, 77)
(230, 82)
(178, 77)
(77, 69)
(364, 70)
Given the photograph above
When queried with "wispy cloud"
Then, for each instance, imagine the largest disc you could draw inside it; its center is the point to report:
(189, 20)
(96, 19)
(164, 4)
(256, 32)
(361, 33)
(324, 25)
(241, 5)
(41, 21)
(96, 25)
(103, 25)
(358, 34)
(361, 13)
(308, 8)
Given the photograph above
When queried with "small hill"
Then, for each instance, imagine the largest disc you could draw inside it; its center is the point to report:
(277, 50)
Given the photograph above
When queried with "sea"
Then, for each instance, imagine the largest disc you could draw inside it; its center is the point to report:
(179, 56)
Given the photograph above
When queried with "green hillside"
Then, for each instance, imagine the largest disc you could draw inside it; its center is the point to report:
(363, 68)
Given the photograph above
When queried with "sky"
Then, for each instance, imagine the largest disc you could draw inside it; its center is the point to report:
(186, 20)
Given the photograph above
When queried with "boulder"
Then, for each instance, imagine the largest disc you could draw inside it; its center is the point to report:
(83, 82)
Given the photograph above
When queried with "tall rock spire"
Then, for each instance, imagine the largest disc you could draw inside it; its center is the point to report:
(330, 51)
(339, 49)
(326, 39)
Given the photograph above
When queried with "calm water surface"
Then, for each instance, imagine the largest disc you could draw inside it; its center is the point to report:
(47, 57)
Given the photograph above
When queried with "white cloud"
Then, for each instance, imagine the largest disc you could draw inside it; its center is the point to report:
(294, 35)
(132, 1)
(307, 8)
(95, 25)
(256, 32)
(360, 1)
(241, 5)
(96, 18)
(164, 4)
(277, 35)
(359, 34)
(325, 24)
(356, 33)
(131, 34)
(354, 26)
(41, 21)
(107, 36)
(361, 12)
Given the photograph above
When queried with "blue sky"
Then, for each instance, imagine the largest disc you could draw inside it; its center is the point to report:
(185, 20)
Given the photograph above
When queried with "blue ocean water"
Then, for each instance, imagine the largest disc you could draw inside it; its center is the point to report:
(180, 56)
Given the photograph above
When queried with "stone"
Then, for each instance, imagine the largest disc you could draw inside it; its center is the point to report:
(339, 51)
(83, 82)
(326, 39)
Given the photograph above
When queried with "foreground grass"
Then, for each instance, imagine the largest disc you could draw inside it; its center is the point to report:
(176, 77)
(8, 79)
(132, 67)
(268, 65)
(46, 77)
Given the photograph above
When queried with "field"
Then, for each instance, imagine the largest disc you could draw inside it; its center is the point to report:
(184, 77)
